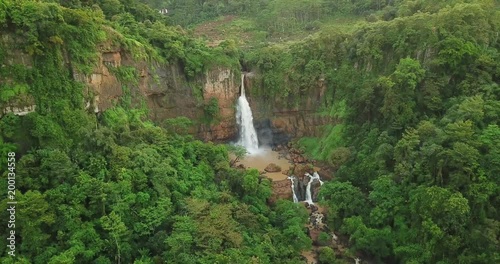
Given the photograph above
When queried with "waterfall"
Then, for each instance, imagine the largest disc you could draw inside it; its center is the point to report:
(308, 189)
(244, 118)
(295, 200)
(313, 177)
(316, 176)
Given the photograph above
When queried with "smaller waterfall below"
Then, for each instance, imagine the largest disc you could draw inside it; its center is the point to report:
(244, 118)
(295, 199)
(313, 177)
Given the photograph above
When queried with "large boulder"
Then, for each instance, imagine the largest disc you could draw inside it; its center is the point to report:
(281, 190)
(326, 174)
(301, 169)
(272, 168)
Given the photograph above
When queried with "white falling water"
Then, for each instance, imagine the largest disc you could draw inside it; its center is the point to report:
(244, 118)
(313, 177)
(295, 200)
(316, 176)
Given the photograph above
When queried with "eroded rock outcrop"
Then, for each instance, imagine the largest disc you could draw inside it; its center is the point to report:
(302, 178)
(222, 84)
(272, 168)
(167, 93)
(21, 104)
(281, 190)
(163, 88)
(284, 121)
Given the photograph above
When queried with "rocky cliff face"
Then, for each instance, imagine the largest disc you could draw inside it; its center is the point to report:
(164, 89)
(223, 85)
(167, 93)
(24, 104)
(278, 122)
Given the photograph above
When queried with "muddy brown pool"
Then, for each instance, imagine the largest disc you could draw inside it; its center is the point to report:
(262, 158)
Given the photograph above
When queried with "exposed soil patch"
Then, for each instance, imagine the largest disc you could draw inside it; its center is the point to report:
(213, 30)
(217, 31)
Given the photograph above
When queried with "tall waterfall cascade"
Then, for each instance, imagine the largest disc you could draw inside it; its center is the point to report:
(248, 135)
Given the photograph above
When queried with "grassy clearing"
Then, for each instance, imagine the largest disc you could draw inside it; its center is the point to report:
(346, 24)
(322, 148)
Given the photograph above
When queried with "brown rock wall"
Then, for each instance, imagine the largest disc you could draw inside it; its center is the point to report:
(297, 119)
(168, 94)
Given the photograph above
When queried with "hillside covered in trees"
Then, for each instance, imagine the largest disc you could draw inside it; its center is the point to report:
(416, 147)
(413, 87)
(115, 187)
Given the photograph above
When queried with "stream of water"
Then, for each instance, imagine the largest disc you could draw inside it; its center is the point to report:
(313, 177)
(295, 199)
(248, 135)
(260, 158)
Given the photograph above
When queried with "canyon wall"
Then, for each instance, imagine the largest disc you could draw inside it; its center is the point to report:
(162, 88)
(167, 93)
(281, 120)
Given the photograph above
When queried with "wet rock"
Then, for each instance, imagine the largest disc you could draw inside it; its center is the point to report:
(299, 189)
(315, 187)
(316, 221)
(301, 169)
(240, 166)
(302, 186)
(272, 168)
(335, 239)
(326, 174)
(301, 172)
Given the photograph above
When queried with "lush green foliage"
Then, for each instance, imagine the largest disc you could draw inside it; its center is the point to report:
(415, 153)
(212, 110)
(114, 187)
(132, 191)
(274, 15)
(278, 19)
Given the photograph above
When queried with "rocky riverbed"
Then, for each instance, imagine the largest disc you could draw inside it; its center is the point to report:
(284, 161)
